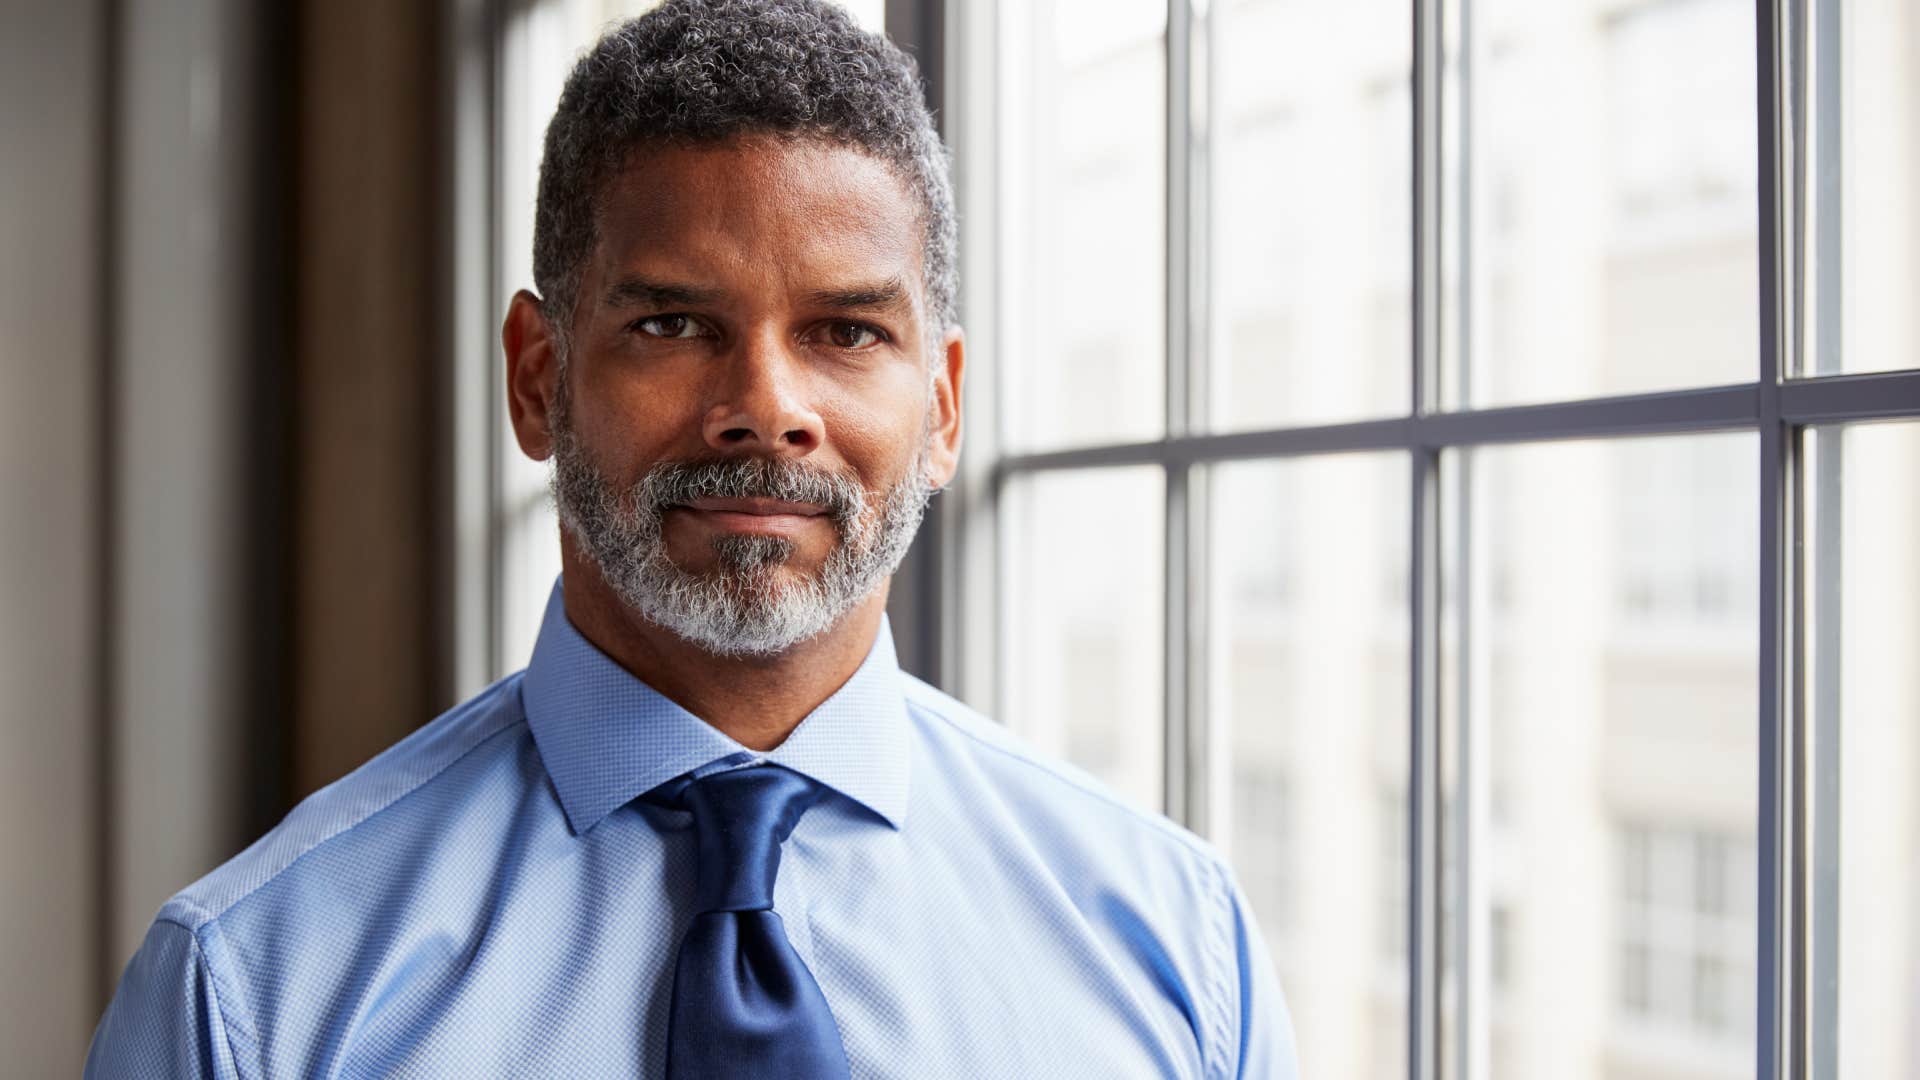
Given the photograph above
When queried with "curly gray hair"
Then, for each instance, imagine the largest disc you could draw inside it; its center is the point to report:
(708, 70)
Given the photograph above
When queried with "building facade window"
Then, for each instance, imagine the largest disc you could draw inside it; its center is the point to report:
(1684, 931)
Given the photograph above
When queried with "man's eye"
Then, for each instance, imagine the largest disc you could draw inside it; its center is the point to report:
(668, 326)
(852, 335)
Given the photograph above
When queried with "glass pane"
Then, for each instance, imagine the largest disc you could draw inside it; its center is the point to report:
(1311, 289)
(1602, 605)
(1083, 221)
(1864, 586)
(1609, 184)
(1308, 694)
(529, 564)
(1863, 241)
(1083, 614)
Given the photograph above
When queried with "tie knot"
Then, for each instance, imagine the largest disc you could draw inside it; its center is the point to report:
(740, 819)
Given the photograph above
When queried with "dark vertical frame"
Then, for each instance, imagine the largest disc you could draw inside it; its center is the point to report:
(105, 960)
(272, 413)
(1423, 759)
(1784, 997)
(1776, 525)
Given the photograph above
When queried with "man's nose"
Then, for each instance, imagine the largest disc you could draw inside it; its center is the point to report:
(760, 403)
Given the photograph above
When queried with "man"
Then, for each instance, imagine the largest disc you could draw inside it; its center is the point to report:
(712, 830)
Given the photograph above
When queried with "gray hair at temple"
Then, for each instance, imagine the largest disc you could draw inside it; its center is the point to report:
(709, 70)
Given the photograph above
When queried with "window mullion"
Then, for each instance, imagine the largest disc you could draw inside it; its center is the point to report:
(1423, 801)
(1780, 985)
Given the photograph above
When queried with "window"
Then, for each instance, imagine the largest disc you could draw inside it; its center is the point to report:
(1451, 383)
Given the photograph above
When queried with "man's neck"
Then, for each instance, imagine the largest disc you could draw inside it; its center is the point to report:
(755, 701)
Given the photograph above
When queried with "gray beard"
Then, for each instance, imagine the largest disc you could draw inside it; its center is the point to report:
(742, 607)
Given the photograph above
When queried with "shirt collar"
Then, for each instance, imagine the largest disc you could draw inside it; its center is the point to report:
(606, 737)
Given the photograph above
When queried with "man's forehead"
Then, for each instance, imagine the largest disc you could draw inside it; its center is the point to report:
(815, 206)
(754, 176)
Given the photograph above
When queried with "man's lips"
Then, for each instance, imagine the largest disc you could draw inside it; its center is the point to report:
(760, 507)
(773, 517)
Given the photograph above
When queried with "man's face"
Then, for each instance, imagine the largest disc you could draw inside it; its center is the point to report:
(749, 414)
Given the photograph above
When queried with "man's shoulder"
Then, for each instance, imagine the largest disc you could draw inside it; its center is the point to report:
(1044, 786)
(333, 814)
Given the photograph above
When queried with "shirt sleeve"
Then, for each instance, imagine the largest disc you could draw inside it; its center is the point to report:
(1266, 1047)
(165, 1019)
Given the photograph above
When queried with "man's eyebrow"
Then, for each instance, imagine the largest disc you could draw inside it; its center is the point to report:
(639, 292)
(885, 294)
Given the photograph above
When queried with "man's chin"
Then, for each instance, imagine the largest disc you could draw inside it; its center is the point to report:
(763, 614)
(760, 582)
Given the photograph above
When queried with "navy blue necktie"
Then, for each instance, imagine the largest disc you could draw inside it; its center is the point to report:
(744, 1005)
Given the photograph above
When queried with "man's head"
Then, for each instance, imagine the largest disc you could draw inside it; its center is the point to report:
(745, 365)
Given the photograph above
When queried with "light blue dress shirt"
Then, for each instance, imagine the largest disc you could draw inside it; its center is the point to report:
(487, 899)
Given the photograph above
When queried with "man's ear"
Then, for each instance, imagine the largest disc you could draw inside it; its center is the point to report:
(943, 451)
(533, 363)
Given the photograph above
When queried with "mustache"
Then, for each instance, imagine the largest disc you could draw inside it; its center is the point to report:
(676, 483)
